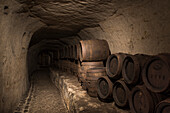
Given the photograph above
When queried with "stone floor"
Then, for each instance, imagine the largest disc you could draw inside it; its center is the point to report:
(43, 96)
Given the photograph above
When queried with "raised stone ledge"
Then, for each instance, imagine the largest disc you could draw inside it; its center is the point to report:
(76, 99)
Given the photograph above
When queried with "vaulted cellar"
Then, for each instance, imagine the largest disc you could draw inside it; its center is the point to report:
(36, 37)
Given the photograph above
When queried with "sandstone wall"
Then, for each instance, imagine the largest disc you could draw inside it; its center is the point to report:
(136, 29)
(15, 33)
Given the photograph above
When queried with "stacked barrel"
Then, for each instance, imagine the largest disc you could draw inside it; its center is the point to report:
(85, 60)
(141, 82)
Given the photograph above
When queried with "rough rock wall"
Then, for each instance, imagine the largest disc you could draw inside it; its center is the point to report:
(136, 29)
(15, 33)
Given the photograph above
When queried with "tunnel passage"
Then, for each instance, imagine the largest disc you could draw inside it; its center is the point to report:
(29, 27)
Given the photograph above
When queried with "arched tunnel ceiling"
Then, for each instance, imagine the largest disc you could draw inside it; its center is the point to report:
(70, 15)
(65, 18)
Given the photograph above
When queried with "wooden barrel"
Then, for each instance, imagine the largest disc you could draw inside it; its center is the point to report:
(114, 65)
(66, 52)
(104, 88)
(142, 100)
(121, 93)
(71, 52)
(78, 49)
(156, 73)
(83, 71)
(132, 68)
(163, 106)
(94, 50)
(63, 53)
(84, 66)
(91, 79)
(74, 52)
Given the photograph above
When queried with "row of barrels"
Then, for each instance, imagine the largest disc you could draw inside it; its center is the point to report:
(86, 54)
(85, 50)
(139, 81)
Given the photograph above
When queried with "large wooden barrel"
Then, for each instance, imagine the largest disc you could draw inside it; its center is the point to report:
(83, 71)
(71, 52)
(114, 65)
(74, 52)
(91, 79)
(132, 68)
(84, 66)
(78, 49)
(163, 106)
(121, 93)
(104, 88)
(156, 73)
(66, 52)
(143, 101)
(94, 50)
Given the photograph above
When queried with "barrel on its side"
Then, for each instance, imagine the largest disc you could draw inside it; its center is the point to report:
(94, 50)
(132, 68)
(121, 93)
(156, 73)
(91, 79)
(78, 51)
(143, 101)
(104, 88)
(114, 65)
(163, 106)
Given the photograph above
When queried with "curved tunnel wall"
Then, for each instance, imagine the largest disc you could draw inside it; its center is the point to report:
(142, 27)
(16, 31)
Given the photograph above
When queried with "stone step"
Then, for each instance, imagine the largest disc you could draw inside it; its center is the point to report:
(76, 99)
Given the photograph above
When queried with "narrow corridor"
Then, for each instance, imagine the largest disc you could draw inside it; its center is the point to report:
(43, 96)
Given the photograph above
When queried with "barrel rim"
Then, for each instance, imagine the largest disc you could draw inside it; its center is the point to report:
(110, 84)
(161, 105)
(121, 82)
(137, 70)
(147, 94)
(144, 75)
(118, 71)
